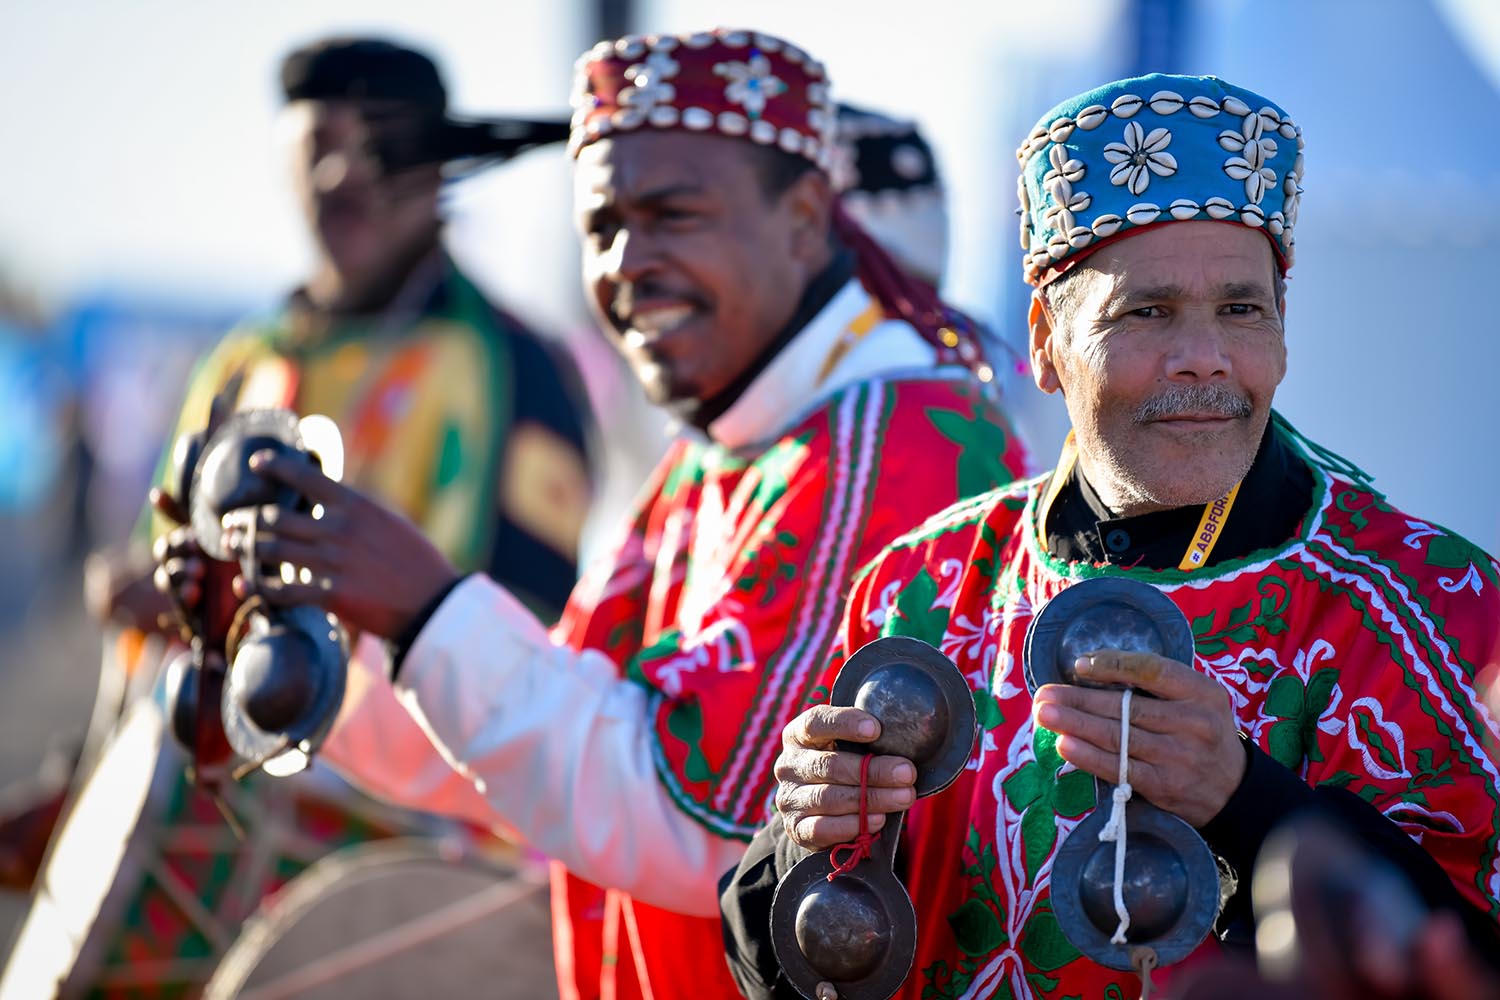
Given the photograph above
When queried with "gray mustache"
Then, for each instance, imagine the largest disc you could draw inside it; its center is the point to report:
(1179, 399)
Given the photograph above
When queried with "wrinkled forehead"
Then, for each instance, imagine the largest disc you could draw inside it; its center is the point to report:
(1183, 260)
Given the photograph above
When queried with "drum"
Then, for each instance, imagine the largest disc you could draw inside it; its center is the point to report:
(146, 884)
(395, 920)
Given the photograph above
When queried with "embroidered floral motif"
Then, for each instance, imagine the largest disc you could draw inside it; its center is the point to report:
(1255, 149)
(1139, 156)
(1059, 184)
(1052, 226)
(1292, 202)
(751, 83)
(1064, 166)
(1064, 203)
(650, 87)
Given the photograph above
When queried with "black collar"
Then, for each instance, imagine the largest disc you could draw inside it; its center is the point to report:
(818, 293)
(1272, 501)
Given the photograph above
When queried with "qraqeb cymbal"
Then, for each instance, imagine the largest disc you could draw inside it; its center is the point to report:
(1171, 881)
(857, 929)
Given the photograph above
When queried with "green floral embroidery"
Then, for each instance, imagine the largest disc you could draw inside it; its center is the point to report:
(777, 467)
(1045, 949)
(1295, 739)
(981, 444)
(685, 722)
(977, 925)
(1042, 794)
(1241, 628)
(1458, 553)
(1345, 501)
(1429, 775)
(987, 708)
(771, 566)
(914, 614)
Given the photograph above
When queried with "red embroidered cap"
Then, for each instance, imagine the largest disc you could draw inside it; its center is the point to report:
(765, 90)
(725, 81)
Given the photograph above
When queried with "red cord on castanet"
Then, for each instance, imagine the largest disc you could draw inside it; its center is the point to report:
(859, 847)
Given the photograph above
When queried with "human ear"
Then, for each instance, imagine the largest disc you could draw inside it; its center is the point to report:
(809, 202)
(1040, 320)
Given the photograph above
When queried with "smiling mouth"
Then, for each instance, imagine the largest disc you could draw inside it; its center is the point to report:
(644, 326)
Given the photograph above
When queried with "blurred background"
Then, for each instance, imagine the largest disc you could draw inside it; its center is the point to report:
(145, 206)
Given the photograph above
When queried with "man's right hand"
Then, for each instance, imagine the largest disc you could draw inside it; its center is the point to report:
(818, 797)
(367, 564)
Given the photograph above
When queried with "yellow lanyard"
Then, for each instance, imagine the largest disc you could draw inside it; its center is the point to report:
(861, 325)
(1210, 526)
(1205, 536)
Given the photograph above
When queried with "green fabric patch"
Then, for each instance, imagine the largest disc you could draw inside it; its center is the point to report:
(450, 463)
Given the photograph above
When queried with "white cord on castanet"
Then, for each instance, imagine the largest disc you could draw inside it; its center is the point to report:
(1114, 830)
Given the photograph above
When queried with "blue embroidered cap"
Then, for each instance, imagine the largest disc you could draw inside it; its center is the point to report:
(1149, 150)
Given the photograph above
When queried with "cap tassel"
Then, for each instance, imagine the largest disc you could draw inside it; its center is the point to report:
(955, 335)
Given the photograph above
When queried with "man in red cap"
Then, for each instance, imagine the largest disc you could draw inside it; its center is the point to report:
(835, 399)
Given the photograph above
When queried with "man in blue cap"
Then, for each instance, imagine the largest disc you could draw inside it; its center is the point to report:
(1337, 639)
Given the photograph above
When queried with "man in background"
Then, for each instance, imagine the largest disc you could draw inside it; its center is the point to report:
(450, 410)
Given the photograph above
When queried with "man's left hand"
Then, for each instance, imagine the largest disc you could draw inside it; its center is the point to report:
(1185, 755)
(370, 566)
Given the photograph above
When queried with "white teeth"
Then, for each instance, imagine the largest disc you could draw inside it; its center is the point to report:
(661, 319)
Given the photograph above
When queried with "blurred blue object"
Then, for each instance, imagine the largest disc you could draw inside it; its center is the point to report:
(33, 394)
(127, 360)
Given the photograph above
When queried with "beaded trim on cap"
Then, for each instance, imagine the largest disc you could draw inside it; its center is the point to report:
(1156, 149)
(730, 82)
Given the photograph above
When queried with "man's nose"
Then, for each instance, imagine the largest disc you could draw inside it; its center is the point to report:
(338, 169)
(1198, 351)
(631, 256)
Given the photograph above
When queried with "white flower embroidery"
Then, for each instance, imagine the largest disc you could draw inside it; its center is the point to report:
(1059, 184)
(751, 83)
(650, 87)
(1471, 579)
(1064, 203)
(1293, 200)
(1140, 156)
(1063, 166)
(1255, 149)
(1420, 531)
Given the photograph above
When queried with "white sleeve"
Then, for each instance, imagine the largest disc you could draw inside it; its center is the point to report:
(376, 744)
(561, 748)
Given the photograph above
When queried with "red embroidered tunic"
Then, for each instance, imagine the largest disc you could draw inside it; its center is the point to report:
(1349, 654)
(724, 600)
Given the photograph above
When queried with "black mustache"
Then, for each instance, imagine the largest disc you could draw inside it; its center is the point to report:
(628, 295)
(1179, 399)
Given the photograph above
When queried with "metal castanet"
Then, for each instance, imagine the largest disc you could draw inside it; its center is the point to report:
(285, 684)
(287, 667)
(223, 482)
(195, 679)
(1171, 881)
(855, 929)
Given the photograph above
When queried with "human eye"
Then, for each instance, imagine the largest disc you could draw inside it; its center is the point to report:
(1241, 309)
(1146, 312)
(600, 229)
(678, 215)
